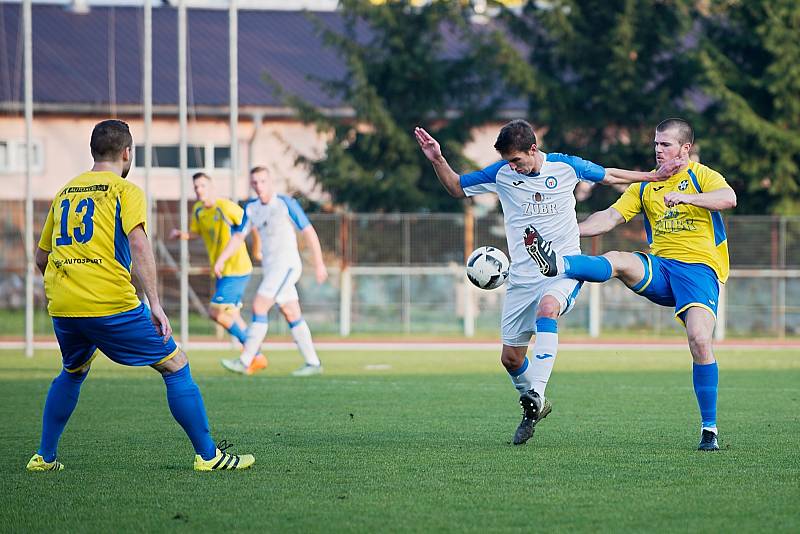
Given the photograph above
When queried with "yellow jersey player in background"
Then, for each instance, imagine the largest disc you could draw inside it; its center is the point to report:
(688, 256)
(93, 240)
(214, 219)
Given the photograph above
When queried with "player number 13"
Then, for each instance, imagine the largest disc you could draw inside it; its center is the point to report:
(82, 235)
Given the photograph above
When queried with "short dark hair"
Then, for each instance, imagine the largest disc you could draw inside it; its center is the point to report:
(684, 130)
(198, 175)
(516, 136)
(258, 168)
(109, 139)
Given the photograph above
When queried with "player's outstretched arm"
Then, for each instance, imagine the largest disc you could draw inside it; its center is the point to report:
(717, 200)
(447, 176)
(600, 222)
(176, 233)
(311, 237)
(143, 266)
(665, 170)
(233, 245)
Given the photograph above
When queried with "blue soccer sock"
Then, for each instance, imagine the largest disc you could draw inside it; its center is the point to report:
(587, 268)
(61, 401)
(706, 380)
(186, 405)
(238, 332)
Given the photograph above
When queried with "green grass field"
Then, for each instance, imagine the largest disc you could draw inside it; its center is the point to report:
(413, 441)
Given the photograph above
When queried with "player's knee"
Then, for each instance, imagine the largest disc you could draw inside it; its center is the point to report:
(511, 359)
(700, 345)
(173, 365)
(548, 307)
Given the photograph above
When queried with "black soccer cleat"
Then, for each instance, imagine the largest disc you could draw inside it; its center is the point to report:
(534, 409)
(540, 251)
(708, 441)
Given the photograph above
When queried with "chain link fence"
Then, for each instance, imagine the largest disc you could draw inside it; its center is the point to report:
(402, 274)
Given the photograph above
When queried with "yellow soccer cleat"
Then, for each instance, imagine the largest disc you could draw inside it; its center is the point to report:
(259, 362)
(37, 464)
(223, 461)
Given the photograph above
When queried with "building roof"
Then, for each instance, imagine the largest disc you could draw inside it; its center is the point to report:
(92, 62)
(95, 59)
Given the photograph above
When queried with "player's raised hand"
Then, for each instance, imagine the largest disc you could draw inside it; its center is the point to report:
(430, 146)
(175, 233)
(161, 322)
(670, 168)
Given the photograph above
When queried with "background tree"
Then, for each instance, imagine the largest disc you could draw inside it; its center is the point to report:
(750, 58)
(608, 71)
(408, 66)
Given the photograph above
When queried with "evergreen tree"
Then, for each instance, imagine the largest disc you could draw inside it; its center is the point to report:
(408, 66)
(750, 55)
(607, 72)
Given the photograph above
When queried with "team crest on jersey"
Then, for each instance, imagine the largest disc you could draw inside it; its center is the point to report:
(683, 185)
(550, 182)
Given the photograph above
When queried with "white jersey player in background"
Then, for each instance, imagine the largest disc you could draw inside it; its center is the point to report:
(276, 219)
(534, 189)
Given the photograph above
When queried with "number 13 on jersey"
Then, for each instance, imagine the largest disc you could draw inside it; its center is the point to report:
(83, 233)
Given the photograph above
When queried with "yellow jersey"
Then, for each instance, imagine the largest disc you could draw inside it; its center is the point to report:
(214, 225)
(86, 232)
(684, 233)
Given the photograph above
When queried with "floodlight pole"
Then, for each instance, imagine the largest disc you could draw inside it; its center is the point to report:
(233, 55)
(147, 83)
(29, 252)
(184, 219)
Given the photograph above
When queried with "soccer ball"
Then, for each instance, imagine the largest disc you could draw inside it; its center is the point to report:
(487, 267)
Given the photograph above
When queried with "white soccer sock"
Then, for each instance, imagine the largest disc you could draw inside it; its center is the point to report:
(252, 345)
(301, 334)
(522, 378)
(544, 353)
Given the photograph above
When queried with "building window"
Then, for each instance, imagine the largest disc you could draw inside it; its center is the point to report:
(199, 156)
(13, 156)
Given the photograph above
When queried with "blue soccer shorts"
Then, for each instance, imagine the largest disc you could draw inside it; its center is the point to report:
(677, 284)
(229, 289)
(128, 338)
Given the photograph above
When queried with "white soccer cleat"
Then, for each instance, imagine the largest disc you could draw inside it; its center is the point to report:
(234, 365)
(308, 370)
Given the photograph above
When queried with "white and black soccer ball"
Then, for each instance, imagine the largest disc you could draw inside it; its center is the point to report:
(487, 267)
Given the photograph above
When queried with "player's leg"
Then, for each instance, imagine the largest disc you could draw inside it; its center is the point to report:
(251, 360)
(187, 407)
(301, 334)
(77, 353)
(705, 372)
(224, 307)
(517, 326)
(696, 291)
(623, 265)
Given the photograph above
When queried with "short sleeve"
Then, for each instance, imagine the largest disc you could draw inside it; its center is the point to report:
(194, 226)
(584, 169)
(630, 202)
(296, 213)
(244, 225)
(133, 210)
(711, 180)
(233, 212)
(46, 240)
(482, 181)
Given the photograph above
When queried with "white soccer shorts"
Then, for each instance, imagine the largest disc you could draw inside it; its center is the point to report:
(279, 282)
(518, 324)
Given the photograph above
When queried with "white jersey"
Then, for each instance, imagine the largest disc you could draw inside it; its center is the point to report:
(545, 200)
(276, 222)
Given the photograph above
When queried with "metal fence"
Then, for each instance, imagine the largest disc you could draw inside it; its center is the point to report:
(402, 274)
